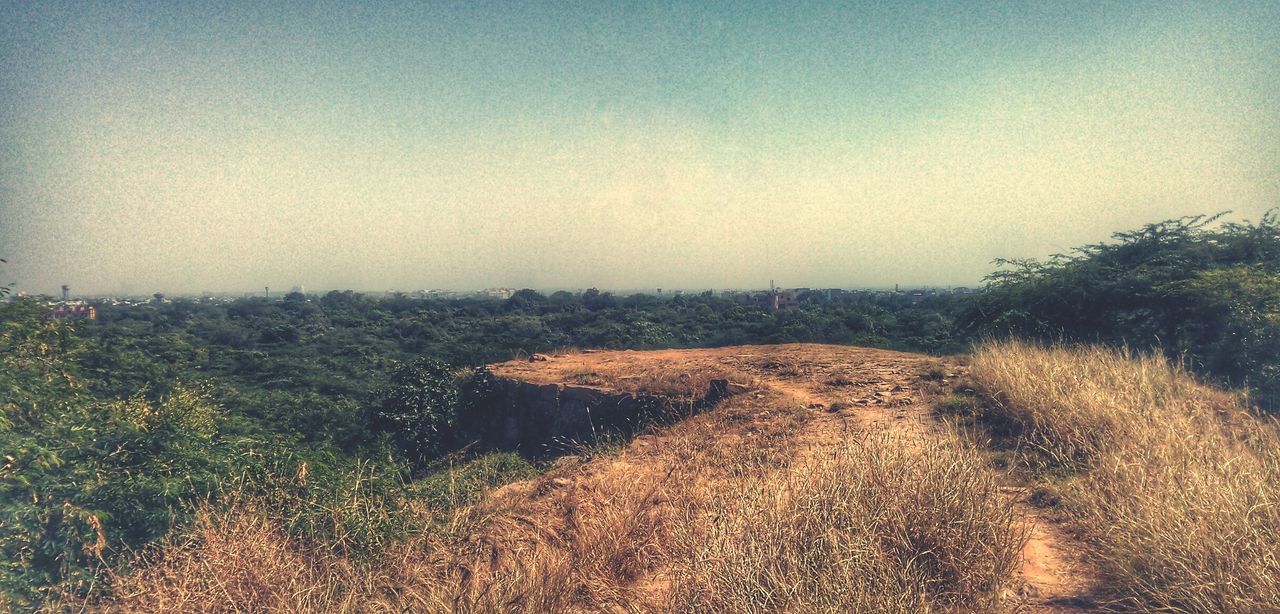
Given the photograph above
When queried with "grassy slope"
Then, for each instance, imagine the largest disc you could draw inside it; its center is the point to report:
(1175, 486)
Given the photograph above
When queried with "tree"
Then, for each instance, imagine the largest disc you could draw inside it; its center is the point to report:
(419, 408)
(1182, 286)
(595, 300)
(563, 300)
(524, 300)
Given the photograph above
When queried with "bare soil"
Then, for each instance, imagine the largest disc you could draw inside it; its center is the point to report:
(799, 400)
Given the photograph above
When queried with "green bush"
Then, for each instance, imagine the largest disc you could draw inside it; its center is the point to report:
(1209, 295)
(419, 409)
(84, 481)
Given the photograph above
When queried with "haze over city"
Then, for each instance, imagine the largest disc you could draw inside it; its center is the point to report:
(190, 148)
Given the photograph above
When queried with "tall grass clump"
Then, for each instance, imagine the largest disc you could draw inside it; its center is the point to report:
(881, 525)
(496, 556)
(1175, 485)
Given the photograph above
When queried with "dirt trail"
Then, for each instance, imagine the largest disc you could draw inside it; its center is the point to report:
(843, 390)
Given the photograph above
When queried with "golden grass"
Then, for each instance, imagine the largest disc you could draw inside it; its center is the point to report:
(875, 526)
(232, 560)
(724, 511)
(878, 525)
(581, 552)
(1176, 486)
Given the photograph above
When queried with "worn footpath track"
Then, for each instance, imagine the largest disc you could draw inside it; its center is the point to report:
(812, 396)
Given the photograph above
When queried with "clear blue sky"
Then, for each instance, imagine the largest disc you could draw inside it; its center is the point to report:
(183, 147)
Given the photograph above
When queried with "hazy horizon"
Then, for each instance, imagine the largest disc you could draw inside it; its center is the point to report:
(279, 293)
(184, 149)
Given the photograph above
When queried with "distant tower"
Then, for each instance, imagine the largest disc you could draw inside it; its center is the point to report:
(65, 290)
(771, 287)
(266, 292)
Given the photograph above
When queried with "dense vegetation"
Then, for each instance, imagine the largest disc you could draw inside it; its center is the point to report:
(311, 369)
(333, 413)
(1204, 293)
(319, 410)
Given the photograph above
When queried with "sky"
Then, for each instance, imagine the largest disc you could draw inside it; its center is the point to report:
(186, 147)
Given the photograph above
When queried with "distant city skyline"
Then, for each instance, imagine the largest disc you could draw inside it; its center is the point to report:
(183, 148)
(460, 291)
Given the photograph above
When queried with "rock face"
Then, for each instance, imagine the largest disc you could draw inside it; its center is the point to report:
(547, 418)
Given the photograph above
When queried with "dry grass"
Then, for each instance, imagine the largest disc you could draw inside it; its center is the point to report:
(750, 506)
(879, 525)
(489, 558)
(234, 559)
(876, 526)
(1175, 486)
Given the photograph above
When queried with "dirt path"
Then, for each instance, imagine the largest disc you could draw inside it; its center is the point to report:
(1055, 583)
(843, 390)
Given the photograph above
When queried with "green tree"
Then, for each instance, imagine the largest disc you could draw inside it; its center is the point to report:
(84, 481)
(419, 408)
(1185, 286)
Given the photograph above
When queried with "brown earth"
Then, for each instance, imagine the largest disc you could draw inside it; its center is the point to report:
(796, 401)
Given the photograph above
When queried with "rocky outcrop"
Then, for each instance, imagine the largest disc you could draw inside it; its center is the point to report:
(547, 418)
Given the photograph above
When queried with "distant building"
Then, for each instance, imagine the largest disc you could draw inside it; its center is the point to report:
(73, 311)
(773, 300)
(783, 300)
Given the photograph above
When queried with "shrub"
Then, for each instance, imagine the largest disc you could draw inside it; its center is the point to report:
(85, 482)
(419, 409)
(1208, 295)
